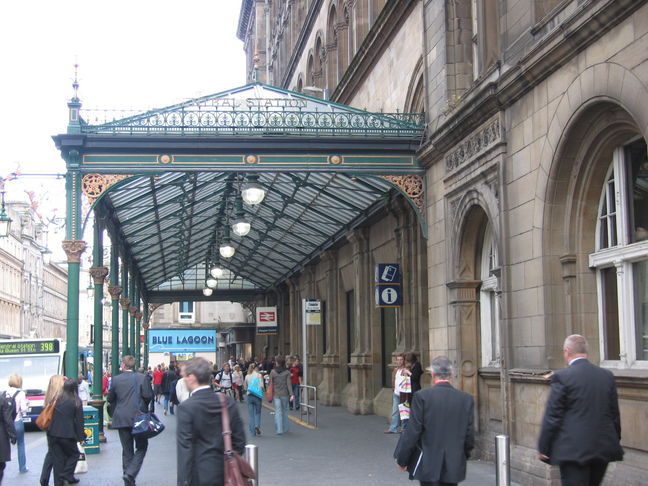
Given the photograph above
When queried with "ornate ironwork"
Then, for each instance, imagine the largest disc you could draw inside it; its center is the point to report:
(98, 274)
(114, 291)
(132, 310)
(412, 186)
(94, 185)
(73, 250)
(124, 302)
(260, 121)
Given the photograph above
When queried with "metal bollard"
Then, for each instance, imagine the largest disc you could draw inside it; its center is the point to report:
(503, 459)
(252, 457)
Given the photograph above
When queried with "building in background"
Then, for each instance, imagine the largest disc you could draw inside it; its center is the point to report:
(536, 193)
(33, 288)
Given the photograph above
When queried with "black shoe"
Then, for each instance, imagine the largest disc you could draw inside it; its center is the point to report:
(128, 480)
(72, 480)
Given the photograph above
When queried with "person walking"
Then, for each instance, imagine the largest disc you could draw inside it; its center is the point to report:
(437, 443)
(581, 429)
(280, 378)
(254, 387)
(296, 374)
(168, 378)
(19, 398)
(84, 390)
(397, 378)
(200, 447)
(237, 382)
(157, 382)
(54, 389)
(7, 433)
(223, 380)
(129, 393)
(64, 432)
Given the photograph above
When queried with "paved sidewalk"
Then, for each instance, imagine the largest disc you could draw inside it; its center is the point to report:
(344, 450)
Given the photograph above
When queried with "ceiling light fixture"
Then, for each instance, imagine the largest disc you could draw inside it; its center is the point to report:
(207, 292)
(253, 193)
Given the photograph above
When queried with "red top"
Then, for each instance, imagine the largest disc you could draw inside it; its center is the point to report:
(157, 377)
(295, 373)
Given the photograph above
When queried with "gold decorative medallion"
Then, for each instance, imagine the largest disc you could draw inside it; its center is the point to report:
(164, 159)
(251, 159)
(335, 159)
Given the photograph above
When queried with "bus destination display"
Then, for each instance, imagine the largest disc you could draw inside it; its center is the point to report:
(8, 348)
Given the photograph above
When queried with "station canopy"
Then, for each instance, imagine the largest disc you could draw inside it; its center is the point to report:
(168, 184)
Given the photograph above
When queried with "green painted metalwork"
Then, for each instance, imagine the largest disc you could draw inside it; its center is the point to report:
(114, 282)
(125, 317)
(133, 295)
(97, 261)
(145, 319)
(253, 110)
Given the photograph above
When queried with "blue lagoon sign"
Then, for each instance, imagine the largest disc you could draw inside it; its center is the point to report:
(182, 340)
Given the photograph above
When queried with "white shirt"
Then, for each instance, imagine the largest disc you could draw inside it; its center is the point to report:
(84, 391)
(22, 405)
(199, 388)
(182, 392)
(398, 384)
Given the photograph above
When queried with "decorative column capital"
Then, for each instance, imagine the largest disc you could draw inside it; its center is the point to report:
(145, 326)
(138, 316)
(132, 310)
(114, 291)
(73, 250)
(98, 274)
(124, 304)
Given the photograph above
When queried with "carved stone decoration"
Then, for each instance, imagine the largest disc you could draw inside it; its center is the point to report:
(132, 310)
(98, 274)
(412, 186)
(454, 207)
(114, 291)
(474, 145)
(94, 185)
(124, 304)
(73, 250)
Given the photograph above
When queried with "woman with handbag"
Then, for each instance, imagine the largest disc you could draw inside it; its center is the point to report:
(254, 387)
(53, 391)
(7, 432)
(20, 399)
(64, 432)
(282, 396)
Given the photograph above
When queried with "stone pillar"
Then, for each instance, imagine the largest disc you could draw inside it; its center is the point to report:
(330, 387)
(115, 290)
(464, 304)
(359, 393)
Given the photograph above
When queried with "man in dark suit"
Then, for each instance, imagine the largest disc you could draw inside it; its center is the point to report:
(440, 435)
(200, 431)
(129, 393)
(581, 430)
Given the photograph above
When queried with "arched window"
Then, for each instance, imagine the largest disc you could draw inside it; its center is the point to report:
(332, 50)
(488, 305)
(350, 47)
(621, 258)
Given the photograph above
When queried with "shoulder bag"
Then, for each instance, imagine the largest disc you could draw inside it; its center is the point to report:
(44, 420)
(145, 424)
(270, 390)
(238, 471)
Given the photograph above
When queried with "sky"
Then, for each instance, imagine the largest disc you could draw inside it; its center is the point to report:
(137, 54)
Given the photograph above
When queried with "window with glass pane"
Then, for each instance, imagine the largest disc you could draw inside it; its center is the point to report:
(186, 313)
(637, 170)
(489, 313)
(611, 313)
(640, 274)
(607, 215)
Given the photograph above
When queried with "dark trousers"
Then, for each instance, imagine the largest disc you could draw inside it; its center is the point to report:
(2, 468)
(574, 474)
(64, 455)
(132, 456)
(46, 471)
(432, 483)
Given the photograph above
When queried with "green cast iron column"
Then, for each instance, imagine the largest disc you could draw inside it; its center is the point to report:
(99, 273)
(73, 248)
(145, 317)
(132, 309)
(114, 290)
(124, 302)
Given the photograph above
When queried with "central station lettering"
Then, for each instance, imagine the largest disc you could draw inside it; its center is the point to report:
(257, 103)
(183, 340)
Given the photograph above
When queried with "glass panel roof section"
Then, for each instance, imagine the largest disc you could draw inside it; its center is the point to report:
(173, 224)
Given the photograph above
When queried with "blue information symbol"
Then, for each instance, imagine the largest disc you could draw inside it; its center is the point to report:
(389, 295)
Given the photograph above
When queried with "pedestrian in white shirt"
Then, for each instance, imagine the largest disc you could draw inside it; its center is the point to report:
(84, 390)
(16, 393)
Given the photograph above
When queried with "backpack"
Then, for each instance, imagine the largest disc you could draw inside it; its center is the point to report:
(11, 402)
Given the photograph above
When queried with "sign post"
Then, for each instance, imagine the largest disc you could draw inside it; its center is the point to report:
(311, 316)
(266, 320)
(388, 285)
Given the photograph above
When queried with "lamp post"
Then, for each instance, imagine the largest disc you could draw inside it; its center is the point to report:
(5, 220)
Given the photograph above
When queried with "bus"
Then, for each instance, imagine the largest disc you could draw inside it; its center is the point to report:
(36, 360)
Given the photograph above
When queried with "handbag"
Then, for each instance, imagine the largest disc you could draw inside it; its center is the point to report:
(81, 465)
(238, 471)
(270, 390)
(254, 388)
(145, 424)
(45, 418)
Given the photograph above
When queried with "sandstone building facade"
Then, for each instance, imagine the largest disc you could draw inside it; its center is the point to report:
(536, 194)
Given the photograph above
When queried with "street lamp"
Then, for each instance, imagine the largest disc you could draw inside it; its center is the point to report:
(211, 283)
(47, 255)
(216, 271)
(5, 220)
(207, 292)
(226, 249)
(240, 226)
(90, 290)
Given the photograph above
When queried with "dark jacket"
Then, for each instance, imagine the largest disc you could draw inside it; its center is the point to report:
(7, 429)
(417, 372)
(200, 438)
(67, 421)
(441, 424)
(167, 378)
(581, 422)
(125, 391)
